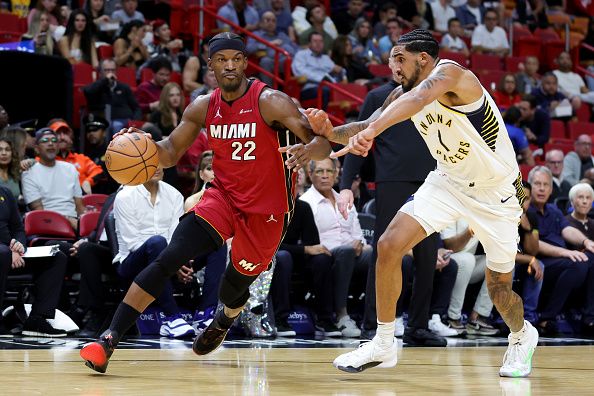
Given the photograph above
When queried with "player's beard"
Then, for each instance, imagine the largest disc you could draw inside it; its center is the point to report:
(231, 86)
(412, 81)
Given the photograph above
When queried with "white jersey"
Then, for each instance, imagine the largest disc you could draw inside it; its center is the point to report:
(469, 142)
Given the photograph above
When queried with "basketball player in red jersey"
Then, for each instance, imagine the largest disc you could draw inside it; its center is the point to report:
(249, 127)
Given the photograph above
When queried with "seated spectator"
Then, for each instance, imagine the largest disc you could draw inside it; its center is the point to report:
(528, 78)
(128, 12)
(48, 272)
(460, 239)
(343, 238)
(95, 10)
(51, 8)
(129, 49)
(39, 32)
(50, 184)
(268, 31)
(393, 33)
(146, 216)
(78, 44)
(570, 83)
(315, 66)
(213, 263)
(89, 173)
(346, 19)
(529, 270)
(518, 138)
(316, 16)
(111, 97)
(342, 55)
(164, 45)
(443, 283)
(196, 68)
(96, 132)
(565, 269)
(530, 14)
(386, 12)
(489, 38)
(554, 161)
(451, 41)
(549, 98)
(301, 251)
(284, 20)
(581, 196)
(149, 92)
(535, 122)
(577, 162)
(10, 167)
(171, 107)
(507, 93)
(442, 13)
(365, 46)
(301, 24)
(471, 15)
(240, 13)
(210, 84)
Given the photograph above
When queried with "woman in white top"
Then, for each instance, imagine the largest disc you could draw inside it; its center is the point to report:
(78, 45)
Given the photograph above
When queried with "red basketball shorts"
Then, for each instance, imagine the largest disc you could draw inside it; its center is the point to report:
(256, 237)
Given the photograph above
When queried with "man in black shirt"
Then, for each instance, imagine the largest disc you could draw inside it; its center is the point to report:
(345, 19)
(95, 146)
(535, 121)
(402, 162)
(301, 247)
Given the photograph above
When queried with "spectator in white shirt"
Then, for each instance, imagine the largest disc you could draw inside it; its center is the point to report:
(145, 217)
(442, 13)
(129, 12)
(343, 237)
(490, 38)
(50, 184)
(571, 84)
(301, 24)
(452, 41)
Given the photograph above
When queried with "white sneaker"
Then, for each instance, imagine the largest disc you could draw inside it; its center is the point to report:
(348, 327)
(517, 361)
(176, 327)
(399, 329)
(369, 354)
(439, 328)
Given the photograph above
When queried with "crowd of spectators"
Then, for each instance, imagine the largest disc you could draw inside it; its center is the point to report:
(51, 167)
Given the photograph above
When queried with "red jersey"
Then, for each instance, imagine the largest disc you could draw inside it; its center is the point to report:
(247, 165)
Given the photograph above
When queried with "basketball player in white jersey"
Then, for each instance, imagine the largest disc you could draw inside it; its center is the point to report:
(477, 178)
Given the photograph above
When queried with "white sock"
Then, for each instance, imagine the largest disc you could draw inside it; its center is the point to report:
(385, 333)
(520, 333)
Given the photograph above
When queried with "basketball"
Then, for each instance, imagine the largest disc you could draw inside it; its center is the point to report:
(132, 159)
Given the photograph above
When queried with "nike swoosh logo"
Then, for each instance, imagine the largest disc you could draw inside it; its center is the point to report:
(506, 199)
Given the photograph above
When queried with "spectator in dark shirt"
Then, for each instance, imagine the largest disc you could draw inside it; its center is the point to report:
(113, 98)
(48, 272)
(345, 19)
(96, 128)
(301, 251)
(565, 269)
(149, 92)
(535, 122)
(554, 161)
(549, 97)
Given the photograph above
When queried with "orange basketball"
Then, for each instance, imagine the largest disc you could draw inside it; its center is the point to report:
(132, 159)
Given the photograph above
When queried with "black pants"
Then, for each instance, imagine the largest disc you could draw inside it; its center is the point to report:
(318, 274)
(390, 196)
(48, 276)
(96, 260)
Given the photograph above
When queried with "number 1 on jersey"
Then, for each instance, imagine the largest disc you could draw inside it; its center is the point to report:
(249, 146)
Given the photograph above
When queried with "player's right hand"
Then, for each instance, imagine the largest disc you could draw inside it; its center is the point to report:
(359, 144)
(320, 123)
(345, 202)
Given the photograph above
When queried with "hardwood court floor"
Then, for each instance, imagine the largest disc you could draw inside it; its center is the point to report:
(558, 370)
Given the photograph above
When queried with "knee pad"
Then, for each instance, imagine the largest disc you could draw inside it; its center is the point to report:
(235, 291)
(152, 279)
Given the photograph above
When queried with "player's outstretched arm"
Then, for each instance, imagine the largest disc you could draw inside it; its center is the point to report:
(321, 124)
(280, 112)
(175, 145)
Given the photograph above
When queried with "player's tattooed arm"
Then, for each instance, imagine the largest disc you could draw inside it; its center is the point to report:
(175, 145)
(342, 133)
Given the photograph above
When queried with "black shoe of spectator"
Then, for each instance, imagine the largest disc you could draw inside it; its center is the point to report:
(422, 337)
(588, 329)
(548, 329)
(326, 328)
(93, 326)
(36, 326)
(4, 330)
(77, 314)
(283, 328)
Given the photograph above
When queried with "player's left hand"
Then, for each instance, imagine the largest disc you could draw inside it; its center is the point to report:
(359, 144)
(298, 155)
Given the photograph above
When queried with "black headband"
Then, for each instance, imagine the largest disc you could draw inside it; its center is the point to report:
(219, 44)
